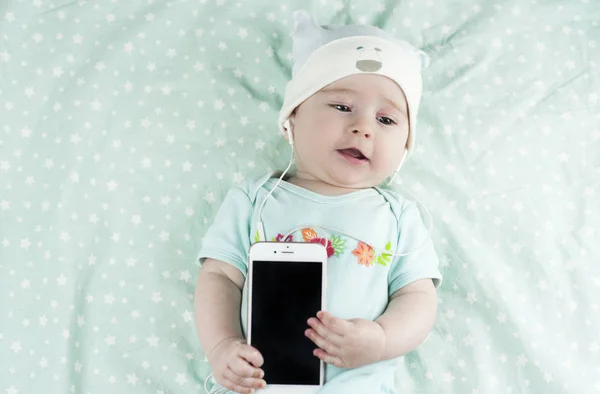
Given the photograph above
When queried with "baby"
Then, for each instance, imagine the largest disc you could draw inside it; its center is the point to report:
(349, 114)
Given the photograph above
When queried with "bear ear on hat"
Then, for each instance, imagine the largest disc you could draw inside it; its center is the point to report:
(307, 36)
(303, 20)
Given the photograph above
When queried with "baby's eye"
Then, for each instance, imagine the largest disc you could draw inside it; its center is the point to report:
(386, 121)
(342, 108)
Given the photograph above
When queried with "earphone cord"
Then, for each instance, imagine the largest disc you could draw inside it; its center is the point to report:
(261, 229)
(220, 390)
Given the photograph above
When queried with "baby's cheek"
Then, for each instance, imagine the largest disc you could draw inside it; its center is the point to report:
(322, 137)
(388, 157)
(310, 148)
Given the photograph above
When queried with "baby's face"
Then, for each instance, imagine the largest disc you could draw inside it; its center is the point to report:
(363, 111)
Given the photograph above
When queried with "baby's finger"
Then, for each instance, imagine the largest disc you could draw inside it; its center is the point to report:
(229, 385)
(334, 324)
(242, 368)
(323, 331)
(321, 342)
(249, 383)
(251, 355)
(328, 358)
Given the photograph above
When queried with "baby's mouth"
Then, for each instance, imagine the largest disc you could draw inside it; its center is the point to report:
(353, 154)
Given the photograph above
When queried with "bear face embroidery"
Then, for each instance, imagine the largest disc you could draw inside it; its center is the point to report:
(368, 60)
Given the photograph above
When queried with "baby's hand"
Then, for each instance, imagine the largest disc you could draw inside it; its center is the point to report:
(346, 343)
(236, 366)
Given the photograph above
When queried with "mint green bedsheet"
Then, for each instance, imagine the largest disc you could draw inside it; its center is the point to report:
(123, 124)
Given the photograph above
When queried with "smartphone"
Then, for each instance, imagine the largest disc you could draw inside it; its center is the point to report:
(287, 286)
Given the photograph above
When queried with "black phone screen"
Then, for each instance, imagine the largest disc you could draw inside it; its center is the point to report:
(284, 295)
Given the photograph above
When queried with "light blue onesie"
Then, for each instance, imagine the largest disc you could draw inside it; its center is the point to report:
(360, 280)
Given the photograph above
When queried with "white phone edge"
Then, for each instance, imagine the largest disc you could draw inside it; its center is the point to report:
(303, 251)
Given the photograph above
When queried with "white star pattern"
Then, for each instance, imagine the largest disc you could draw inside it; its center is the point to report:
(132, 379)
(152, 341)
(181, 379)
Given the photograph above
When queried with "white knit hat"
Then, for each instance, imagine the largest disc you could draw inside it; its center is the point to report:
(323, 55)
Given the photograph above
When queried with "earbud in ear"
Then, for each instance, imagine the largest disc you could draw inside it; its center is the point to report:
(399, 166)
(288, 129)
(403, 158)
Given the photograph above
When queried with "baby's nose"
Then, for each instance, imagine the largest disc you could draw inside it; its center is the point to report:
(362, 130)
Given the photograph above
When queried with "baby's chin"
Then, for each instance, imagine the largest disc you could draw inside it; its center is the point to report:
(350, 180)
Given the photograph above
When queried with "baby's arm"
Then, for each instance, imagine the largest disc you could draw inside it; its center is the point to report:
(357, 342)
(217, 302)
(409, 316)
